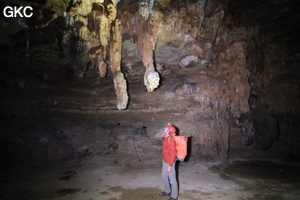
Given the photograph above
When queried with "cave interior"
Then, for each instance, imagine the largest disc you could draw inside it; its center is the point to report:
(96, 81)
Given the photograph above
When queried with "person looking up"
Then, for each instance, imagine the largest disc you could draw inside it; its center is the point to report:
(168, 164)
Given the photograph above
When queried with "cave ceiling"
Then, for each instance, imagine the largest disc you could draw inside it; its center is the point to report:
(279, 18)
(67, 35)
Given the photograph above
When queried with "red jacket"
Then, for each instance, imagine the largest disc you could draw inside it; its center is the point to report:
(169, 150)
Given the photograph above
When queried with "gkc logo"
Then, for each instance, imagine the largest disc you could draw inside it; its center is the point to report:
(15, 11)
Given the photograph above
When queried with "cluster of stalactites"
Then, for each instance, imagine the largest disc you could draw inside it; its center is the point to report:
(98, 19)
(145, 8)
(57, 8)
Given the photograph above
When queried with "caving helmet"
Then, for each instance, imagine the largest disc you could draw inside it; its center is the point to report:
(171, 129)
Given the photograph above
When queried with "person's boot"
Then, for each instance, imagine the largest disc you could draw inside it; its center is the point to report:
(163, 194)
(171, 198)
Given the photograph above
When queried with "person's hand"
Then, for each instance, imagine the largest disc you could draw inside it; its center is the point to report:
(169, 169)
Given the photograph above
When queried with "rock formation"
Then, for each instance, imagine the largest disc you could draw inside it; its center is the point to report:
(220, 71)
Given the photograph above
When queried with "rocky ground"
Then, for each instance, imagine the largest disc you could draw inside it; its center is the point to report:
(242, 180)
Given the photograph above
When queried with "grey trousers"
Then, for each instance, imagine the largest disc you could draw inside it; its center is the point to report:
(169, 180)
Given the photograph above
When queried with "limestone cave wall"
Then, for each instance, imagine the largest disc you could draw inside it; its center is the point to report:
(96, 81)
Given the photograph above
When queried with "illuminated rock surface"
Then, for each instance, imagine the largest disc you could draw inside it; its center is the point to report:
(83, 80)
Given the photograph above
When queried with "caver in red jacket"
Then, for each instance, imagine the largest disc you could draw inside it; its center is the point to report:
(169, 150)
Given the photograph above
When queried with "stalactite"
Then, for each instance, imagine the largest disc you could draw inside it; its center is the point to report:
(115, 58)
(143, 22)
(151, 77)
(102, 67)
(147, 28)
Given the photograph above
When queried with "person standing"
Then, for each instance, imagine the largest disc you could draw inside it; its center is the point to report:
(168, 164)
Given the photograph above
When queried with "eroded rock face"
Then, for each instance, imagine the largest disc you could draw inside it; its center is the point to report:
(259, 128)
(206, 67)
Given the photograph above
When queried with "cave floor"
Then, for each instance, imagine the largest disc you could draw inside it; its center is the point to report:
(241, 180)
